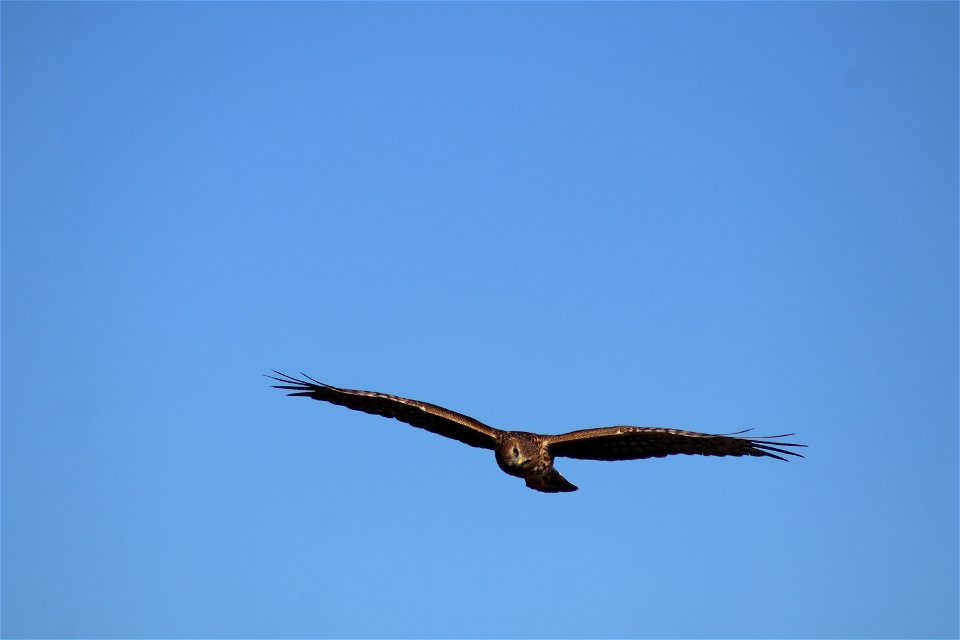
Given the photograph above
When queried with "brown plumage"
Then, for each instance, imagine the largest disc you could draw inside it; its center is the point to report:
(530, 455)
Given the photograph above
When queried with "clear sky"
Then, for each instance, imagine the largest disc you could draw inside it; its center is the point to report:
(547, 216)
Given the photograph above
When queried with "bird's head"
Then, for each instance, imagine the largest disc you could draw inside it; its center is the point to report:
(517, 455)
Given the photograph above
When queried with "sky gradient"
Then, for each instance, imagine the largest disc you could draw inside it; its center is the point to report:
(546, 216)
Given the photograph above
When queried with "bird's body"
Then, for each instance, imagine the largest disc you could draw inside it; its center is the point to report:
(525, 455)
(530, 455)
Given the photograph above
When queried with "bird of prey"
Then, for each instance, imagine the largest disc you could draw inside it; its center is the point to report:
(530, 455)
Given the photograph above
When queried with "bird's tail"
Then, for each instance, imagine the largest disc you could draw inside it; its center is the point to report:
(551, 482)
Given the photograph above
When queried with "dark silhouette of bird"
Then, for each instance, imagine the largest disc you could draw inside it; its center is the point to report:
(530, 455)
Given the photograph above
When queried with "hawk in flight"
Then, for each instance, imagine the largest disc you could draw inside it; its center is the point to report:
(530, 455)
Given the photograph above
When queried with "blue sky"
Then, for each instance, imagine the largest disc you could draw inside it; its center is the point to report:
(547, 216)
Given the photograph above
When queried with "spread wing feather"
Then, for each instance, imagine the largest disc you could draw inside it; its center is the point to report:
(633, 443)
(418, 414)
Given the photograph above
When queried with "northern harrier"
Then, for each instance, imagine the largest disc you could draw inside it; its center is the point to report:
(530, 455)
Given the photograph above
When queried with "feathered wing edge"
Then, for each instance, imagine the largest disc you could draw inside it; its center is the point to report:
(419, 414)
(763, 444)
(633, 443)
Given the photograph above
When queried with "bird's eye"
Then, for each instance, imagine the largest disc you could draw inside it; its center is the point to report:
(516, 452)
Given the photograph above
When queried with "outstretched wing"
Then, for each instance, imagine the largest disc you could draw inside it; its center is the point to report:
(419, 414)
(633, 443)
